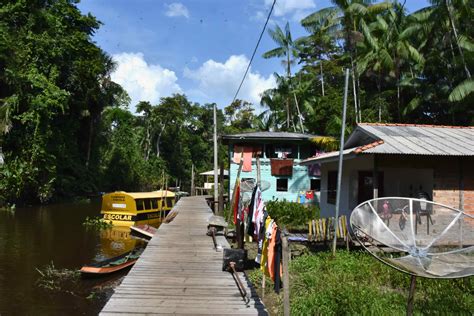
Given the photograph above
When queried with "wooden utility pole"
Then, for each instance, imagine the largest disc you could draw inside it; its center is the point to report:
(220, 209)
(341, 157)
(192, 180)
(216, 189)
(286, 276)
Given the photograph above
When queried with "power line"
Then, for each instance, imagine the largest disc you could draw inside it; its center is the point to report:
(254, 51)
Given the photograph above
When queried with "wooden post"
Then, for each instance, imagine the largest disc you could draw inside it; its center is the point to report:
(192, 180)
(220, 209)
(375, 178)
(461, 198)
(411, 296)
(216, 192)
(259, 177)
(286, 277)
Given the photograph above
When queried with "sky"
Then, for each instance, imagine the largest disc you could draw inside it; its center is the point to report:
(200, 48)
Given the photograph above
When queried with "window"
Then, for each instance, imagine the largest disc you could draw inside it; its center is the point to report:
(154, 204)
(282, 185)
(332, 187)
(139, 203)
(147, 204)
(169, 201)
(315, 184)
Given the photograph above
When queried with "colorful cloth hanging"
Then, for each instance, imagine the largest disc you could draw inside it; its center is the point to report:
(247, 166)
(238, 150)
(236, 201)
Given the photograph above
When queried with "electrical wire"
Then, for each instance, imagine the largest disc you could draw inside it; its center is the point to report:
(254, 51)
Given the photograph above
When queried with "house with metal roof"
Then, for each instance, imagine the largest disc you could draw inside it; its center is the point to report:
(382, 160)
(279, 155)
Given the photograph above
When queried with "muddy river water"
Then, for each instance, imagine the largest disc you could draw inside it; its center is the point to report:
(52, 239)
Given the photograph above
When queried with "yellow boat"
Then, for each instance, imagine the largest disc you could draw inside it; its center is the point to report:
(131, 208)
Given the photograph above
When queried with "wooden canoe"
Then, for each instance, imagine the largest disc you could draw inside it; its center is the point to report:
(144, 230)
(112, 265)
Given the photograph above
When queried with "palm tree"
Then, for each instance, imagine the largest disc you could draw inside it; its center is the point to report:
(322, 26)
(287, 49)
(387, 50)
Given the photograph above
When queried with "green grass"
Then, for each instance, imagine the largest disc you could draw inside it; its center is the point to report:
(355, 283)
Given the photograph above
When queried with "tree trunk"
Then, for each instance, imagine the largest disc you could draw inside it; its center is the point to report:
(89, 142)
(288, 73)
(158, 141)
(453, 26)
(356, 110)
(322, 76)
(147, 143)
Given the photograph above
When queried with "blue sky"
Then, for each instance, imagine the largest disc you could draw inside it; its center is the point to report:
(197, 47)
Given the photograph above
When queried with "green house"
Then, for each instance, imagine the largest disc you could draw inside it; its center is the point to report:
(279, 154)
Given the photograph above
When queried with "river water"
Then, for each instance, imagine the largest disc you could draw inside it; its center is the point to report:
(53, 236)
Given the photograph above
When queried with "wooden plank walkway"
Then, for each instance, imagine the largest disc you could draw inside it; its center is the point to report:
(180, 272)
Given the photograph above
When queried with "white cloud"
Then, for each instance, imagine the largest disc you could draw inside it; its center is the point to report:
(143, 81)
(297, 9)
(219, 81)
(176, 9)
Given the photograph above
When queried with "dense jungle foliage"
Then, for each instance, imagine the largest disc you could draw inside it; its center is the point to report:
(65, 127)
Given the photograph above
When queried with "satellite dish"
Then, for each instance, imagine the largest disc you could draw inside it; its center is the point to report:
(247, 186)
(416, 236)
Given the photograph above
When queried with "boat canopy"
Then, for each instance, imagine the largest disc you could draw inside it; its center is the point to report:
(145, 195)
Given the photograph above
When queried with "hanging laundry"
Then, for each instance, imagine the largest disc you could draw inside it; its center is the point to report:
(301, 197)
(278, 262)
(247, 166)
(271, 251)
(238, 150)
(267, 236)
(253, 202)
(257, 215)
(309, 195)
(314, 170)
(261, 238)
(235, 207)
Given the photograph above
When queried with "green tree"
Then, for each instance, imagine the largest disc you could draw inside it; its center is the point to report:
(287, 49)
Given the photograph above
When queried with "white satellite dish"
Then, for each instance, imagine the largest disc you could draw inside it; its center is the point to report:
(416, 236)
(247, 186)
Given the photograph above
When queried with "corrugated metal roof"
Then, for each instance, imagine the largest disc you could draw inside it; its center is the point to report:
(268, 136)
(420, 139)
(405, 139)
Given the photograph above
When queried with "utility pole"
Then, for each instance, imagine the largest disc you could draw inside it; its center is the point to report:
(341, 156)
(216, 187)
(192, 180)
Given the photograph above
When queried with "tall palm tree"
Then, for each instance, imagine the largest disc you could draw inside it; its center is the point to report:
(322, 26)
(287, 49)
(387, 50)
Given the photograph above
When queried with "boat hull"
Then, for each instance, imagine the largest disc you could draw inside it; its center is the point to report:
(111, 265)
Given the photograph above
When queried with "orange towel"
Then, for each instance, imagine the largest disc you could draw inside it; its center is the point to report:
(247, 166)
(237, 154)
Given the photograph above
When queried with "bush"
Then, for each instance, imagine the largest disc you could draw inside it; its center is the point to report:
(291, 214)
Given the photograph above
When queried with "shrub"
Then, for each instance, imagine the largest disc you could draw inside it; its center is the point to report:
(291, 214)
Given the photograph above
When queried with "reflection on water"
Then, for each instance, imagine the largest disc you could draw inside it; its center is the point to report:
(34, 237)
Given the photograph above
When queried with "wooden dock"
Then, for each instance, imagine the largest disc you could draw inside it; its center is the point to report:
(180, 272)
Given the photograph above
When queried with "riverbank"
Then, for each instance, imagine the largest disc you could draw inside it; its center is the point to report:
(356, 283)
